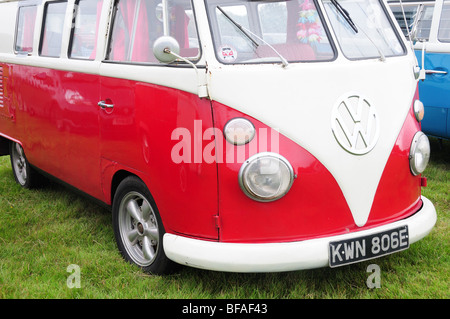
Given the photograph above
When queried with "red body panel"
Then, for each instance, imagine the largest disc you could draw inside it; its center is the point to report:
(138, 136)
(55, 115)
(56, 120)
(66, 134)
(398, 193)
(314, 206)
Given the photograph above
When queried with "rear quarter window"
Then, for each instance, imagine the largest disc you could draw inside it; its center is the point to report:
(53, 25)
(85, 29)
(26, 18)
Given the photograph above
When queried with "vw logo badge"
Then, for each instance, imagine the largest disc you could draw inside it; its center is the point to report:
(355, 124)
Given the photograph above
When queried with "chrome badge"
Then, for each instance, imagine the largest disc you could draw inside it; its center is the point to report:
(355, 124)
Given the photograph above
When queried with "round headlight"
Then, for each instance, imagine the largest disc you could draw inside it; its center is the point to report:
(419, 154)
(419, 110)
(266, 177)
(239, 131)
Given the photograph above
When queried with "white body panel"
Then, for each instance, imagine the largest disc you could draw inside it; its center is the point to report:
(303, 112)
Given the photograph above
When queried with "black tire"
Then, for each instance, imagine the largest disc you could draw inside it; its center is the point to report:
(138, 228)
(24, 174)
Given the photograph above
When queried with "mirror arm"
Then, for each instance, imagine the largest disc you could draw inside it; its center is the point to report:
(202, 86)
(422, 74)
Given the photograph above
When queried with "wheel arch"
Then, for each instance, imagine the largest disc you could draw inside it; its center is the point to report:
(117, 178)
(4, 146)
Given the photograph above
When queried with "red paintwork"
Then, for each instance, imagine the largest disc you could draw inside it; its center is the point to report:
(315, 206)
(138, 136)
(398, 192)
(57, 123)
(67, 135)
(55, 115)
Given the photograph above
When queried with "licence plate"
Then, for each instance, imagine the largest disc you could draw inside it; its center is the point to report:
(354, 250)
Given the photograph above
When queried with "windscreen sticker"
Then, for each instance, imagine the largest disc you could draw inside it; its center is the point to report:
(227, 54)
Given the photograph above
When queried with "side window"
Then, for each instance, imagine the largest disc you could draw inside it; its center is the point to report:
(424, 23)
(444, 24)
(418, 18)
(26, 18)
(137, 24)
(53, 24)
(410, 16)
(85, 29)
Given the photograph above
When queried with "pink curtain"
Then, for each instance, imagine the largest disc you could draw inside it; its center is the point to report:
(122, 37)
(99, 11)
(29, 18)
(141, 46)
(179, 29)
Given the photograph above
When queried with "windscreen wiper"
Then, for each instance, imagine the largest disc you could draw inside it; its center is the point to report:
(249, 36)
(345, 15)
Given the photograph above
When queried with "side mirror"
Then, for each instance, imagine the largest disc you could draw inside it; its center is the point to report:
(166, 49)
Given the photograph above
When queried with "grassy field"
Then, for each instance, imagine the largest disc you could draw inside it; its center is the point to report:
(45, 231)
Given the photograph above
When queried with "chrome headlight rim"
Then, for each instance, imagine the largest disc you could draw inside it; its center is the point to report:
(415, 170)
(247, 191)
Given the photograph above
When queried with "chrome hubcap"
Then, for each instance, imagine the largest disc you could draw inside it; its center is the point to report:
(19, 163)
(138, 228)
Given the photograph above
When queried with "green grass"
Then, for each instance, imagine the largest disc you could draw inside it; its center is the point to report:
(44, 231)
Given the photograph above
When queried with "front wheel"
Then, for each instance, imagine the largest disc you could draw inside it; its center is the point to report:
(24, 174)
(138, 228)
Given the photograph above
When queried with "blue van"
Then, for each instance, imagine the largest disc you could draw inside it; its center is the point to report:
(427, 24)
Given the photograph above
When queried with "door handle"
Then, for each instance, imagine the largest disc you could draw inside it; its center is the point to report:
(105, 105)
(435, 72)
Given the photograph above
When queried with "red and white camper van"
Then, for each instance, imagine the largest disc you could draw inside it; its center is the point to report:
(232, 135)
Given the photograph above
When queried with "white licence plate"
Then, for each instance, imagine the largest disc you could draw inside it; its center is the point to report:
(354, 250)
